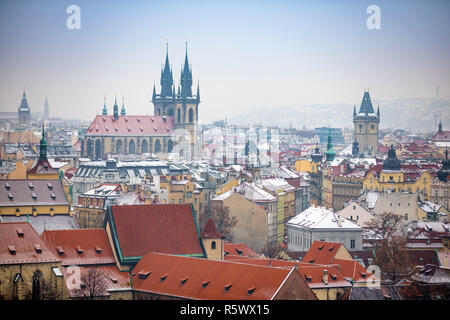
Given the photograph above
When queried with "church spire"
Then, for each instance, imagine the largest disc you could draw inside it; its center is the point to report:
(186, 78)
(166, 77)
(198, 90)
(122, 111)
(440, 126)
(116, 108)
(43, 146)
(105, 111)
(330, 153)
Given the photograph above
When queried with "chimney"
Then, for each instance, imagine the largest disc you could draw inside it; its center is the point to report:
(325, 276)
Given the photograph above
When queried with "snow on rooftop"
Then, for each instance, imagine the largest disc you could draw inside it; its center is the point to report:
(321, 218)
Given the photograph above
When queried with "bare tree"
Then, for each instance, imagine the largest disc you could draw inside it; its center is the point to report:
(391, 255)
(222, 219)
(271, 251)
(91, 283)
(385, 225)
(393, 259)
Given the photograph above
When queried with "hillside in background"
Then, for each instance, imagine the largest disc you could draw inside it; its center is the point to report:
(414, 113)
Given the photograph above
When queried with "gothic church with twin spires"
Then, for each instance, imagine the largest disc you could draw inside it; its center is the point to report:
(175, 111)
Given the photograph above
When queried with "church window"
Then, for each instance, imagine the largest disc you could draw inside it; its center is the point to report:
(191, 115)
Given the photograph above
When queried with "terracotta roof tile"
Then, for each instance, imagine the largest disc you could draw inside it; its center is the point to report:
(166, 228)
(131, 125)
(20, 243)
(20, 192)
(210, 230)
(321, 252)
(93, 245)
(197, 278)
(239, 249)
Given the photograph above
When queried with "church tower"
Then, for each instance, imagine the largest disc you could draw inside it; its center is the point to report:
(183, 105)
(366, 123)
(24, 110)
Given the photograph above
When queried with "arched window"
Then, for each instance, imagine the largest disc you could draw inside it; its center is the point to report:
(170, 146)
(144, 146)
(119, 147)
(191, 115)
(90, 148)
(178, 116)
(98, 149)
(157, 146)
(37, 283)
(131, 147)
(171, 112)
(213, 245)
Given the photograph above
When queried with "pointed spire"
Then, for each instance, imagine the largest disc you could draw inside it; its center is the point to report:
(378, 111)
(186, 78)
(354, 110)
(330, 153)
(122, 111)
(198, 90)
(166, 77)
(154, 92)
(43, 145)
(440, 126)
(115, 108)
(105, 111)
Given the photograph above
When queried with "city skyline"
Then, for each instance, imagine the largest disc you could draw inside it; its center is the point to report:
(272, 55)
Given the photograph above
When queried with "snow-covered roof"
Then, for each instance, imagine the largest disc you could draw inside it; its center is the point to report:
(320, 218)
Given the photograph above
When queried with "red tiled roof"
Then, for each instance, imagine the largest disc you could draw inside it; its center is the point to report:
(93, 243)
(312, 274)
(131, 125)
(240, 249)
(42, 167)
(110, 279)
(32, 192)
(352, 269)
(20, 243)
(210, 230)
(321, 252)
(166, 228)
(442, 136)
(199, 279)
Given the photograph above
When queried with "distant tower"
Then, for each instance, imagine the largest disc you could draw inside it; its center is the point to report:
(440, 126)
(366, 123)
(24, 110)
(46, 114)
(330, 153)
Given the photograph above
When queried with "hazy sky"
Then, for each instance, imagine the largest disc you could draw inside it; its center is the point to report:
(246, 54)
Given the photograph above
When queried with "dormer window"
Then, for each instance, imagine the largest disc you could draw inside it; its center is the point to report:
(79, 250)
(251, 290)
(12, 250)
(50, 186)
(10, 196)
(143, 275)
(30, 185)
(53, 195)
(204, 284)
(7, 186)
(98, 250)
(60, 250)
(33, 195)
(19, 232)
(183, 281)
(38, 248)
(228, 287)
(164, 277)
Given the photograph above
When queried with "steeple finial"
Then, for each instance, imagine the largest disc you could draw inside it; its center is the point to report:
(122, 111)
(105, 111)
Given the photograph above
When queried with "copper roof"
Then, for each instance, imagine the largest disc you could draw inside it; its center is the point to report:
(197, 278)
(94, 245)
(166, 228)
(20, 243)
(32, 192)
(131, 125)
